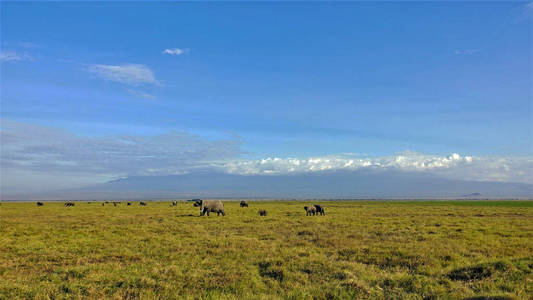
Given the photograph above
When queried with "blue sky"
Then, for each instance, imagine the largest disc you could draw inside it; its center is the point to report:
(276, 79)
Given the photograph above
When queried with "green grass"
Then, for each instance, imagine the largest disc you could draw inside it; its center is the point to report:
(374, 250)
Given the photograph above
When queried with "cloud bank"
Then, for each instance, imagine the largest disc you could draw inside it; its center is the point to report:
(28, 151)
(453, 166)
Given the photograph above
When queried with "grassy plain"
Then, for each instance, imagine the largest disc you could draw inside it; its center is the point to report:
(374, 250)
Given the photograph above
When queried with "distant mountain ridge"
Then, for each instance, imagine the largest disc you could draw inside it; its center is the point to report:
(325, 184)
(473, 195)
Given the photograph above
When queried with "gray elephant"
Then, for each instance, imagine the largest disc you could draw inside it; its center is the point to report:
(311, 210)
(207, 206)
(319, 209)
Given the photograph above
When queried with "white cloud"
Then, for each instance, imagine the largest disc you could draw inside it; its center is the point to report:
(132, 74)
(11, 56)
(408, 161)
(175, 51)
(454, 166)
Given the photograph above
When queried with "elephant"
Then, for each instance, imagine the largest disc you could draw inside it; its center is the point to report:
(244, 204)
(207, 206)
(311, 210)
(319, 209)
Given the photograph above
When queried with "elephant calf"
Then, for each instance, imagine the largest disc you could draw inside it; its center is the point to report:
(207, 206)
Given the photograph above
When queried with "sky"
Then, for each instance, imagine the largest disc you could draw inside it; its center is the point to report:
(92, 92)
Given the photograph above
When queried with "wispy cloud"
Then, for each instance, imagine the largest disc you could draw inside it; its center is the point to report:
(28, 45)
(466, 51)
(175, 51)
(141, 94)
(524, 12)
(31, 148)
(11, 56)
(529, 7)
(527, 11)
(131, 74)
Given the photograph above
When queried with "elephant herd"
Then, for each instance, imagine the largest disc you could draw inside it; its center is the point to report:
(216, 206)
(314, 210)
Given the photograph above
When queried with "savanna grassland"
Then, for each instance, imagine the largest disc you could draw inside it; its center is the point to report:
(374, 250)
